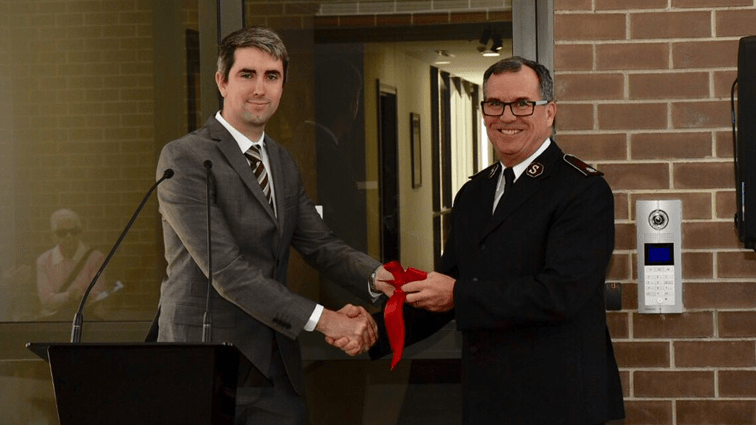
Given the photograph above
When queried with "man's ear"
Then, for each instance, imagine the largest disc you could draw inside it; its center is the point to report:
(551, 110)
(221, 83)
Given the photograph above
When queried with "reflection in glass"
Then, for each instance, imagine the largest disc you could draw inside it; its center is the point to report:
(82, 96)
(65, 271)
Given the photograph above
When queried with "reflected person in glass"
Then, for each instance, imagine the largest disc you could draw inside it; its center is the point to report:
(65, 271)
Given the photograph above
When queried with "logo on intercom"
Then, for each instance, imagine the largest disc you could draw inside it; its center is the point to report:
(658, 219)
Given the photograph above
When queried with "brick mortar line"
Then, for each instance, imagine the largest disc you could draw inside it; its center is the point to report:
(712, 399)
(676, 40)
(404, 12)
(670, 161)
(651, 71)
(664, 40)
(689, 369)
(646, 101)
(593, 11)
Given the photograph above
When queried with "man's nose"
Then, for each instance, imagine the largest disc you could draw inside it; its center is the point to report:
(258, 85)
(508, 115)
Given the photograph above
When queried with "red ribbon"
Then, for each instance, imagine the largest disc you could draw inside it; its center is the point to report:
(392, 314)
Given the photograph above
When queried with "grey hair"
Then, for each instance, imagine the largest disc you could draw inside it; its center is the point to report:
(514, 64)
(62, 214)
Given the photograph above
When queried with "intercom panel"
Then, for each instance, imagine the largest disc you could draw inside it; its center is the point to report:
(659, 230)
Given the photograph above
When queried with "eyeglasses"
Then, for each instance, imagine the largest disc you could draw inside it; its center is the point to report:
(64, 233)
(519, 108)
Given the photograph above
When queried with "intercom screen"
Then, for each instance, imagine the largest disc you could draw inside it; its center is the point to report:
(659, 254)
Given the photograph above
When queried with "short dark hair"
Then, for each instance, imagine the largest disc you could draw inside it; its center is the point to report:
(514, 64)
(258, 37)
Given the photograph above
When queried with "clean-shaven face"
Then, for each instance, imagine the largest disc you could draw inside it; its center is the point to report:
(516, 138)
(253, 90)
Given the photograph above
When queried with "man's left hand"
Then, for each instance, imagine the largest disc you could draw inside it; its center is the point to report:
(435, 293)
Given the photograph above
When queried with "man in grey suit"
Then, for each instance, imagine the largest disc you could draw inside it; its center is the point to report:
(256, 218)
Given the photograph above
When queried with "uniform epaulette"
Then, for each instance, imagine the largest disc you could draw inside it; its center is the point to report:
(581, 166)
(488, 172)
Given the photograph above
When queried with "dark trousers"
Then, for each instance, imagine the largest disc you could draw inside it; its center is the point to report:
(275, 405)
(278, 404)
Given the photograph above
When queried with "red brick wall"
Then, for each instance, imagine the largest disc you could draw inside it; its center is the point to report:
(332, 14)
(643, 88)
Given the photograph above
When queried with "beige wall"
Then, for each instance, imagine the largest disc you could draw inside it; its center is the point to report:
(411, 78)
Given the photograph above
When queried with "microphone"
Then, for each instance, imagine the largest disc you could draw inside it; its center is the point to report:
(79, 316)
(207, 320)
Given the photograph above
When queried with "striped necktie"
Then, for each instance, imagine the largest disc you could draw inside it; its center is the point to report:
(254, 156)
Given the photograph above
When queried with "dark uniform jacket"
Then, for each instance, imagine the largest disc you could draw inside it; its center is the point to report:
(529, 296)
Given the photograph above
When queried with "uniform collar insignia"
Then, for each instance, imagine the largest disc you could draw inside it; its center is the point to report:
(493, 171)
(535, 169)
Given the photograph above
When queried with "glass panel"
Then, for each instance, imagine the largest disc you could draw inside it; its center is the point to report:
(91, 92)
(27, 396)
(424, 388)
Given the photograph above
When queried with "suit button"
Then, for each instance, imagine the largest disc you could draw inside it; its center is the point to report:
(482, 247)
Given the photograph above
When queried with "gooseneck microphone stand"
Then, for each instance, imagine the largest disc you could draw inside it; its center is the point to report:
(79, 316)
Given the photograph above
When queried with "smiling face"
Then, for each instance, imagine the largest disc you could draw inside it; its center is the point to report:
(516, 138)
(252, 93)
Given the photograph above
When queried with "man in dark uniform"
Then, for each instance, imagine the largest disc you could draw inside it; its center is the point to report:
(524, 268)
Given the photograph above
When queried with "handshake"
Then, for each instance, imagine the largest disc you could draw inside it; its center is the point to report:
(353, 330)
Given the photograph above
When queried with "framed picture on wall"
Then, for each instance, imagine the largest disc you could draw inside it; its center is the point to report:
(415, 148)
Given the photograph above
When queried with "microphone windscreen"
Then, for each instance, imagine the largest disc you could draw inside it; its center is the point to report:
(208, 164)
(168, 174)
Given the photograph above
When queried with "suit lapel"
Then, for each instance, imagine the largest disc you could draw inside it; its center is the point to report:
(279, 179)
(230, 149)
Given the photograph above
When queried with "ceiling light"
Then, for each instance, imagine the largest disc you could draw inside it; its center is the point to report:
(442, 57)
(484, 38)
(496, 45)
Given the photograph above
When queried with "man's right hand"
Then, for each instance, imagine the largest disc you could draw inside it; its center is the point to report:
(382, 278)
(351, 329)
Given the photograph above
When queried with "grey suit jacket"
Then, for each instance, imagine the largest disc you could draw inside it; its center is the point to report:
(251, 304)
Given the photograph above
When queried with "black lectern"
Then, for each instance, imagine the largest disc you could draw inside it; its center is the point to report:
(146, 383)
